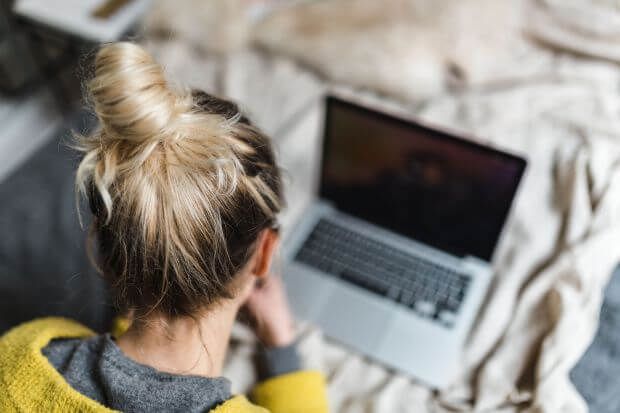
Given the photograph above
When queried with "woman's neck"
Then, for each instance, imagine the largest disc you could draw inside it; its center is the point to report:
(192, 346)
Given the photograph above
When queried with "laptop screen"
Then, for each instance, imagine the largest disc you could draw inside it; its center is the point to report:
(438, 189)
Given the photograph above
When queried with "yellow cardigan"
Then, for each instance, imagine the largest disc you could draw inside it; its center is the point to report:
(29, 383)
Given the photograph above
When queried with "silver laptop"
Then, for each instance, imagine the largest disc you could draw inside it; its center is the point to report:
(394, 257)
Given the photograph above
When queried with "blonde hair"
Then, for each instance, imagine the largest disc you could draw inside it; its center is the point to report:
(180, 184)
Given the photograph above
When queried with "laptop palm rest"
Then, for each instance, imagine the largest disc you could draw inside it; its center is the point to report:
(341, 310)
(349, 313)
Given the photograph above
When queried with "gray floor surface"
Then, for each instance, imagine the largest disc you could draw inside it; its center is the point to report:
(597, 375)
(44, 268)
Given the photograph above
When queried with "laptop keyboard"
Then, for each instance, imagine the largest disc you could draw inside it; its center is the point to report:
(431, 290)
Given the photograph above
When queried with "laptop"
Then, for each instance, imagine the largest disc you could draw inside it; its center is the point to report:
(394, 256)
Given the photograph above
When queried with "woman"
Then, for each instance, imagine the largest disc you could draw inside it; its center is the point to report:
(185, 194)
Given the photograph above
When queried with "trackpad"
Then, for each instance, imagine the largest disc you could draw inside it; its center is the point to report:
(352, 316)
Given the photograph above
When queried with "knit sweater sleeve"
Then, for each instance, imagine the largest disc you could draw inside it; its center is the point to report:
(276, 361)
(298, 392)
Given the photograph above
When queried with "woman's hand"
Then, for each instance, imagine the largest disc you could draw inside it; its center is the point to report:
(268, 305)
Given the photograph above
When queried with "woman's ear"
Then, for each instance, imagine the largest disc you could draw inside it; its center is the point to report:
(267, 246)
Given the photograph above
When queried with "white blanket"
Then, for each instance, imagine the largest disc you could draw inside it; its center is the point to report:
(590, 27)
(559, 248)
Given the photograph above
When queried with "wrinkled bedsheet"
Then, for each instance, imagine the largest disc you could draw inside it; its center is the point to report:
(559, 247)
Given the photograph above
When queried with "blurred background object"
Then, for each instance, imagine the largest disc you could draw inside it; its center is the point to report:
(95, 21)
(537, 77)
(16, 63)
(41, 44)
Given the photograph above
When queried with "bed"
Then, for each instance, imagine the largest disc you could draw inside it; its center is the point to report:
(538, 77)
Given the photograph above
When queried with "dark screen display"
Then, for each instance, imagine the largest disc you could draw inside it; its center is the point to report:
(441, 190)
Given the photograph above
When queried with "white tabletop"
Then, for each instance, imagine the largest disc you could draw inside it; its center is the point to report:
(75, 17)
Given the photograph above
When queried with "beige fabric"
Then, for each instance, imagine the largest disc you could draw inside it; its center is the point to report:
(558, 250)
(213, 25)
(409, 49)
(590, 27)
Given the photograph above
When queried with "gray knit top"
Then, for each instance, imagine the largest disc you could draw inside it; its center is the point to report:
(97, 368)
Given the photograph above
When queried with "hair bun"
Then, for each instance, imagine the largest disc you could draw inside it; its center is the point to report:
(130, 94)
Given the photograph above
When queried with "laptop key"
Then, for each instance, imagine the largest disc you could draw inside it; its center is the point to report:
(425, 308)
(447, 318)
(393, 293)
(372, 285)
